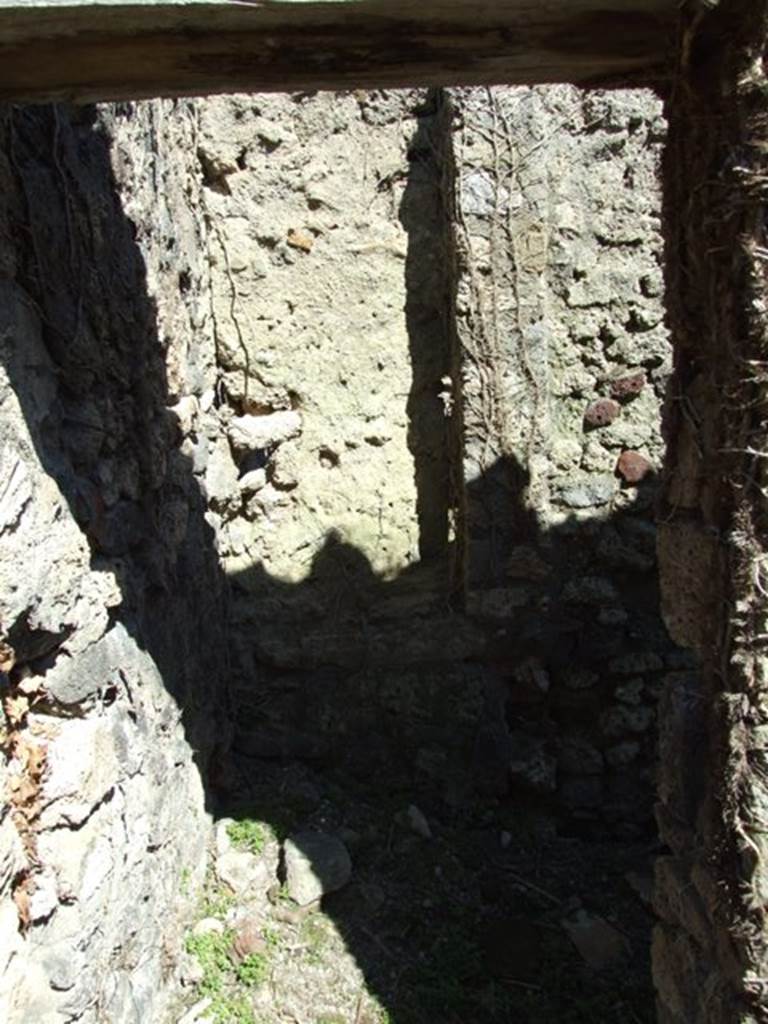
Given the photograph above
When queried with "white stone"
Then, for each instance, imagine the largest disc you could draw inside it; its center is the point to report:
(83, 765)
(220, 474)
(251, 433)
(315, 864)
(208, 926)
(253, 481)
(194, 1013)
(15, 490)
(221, 836)
(44, 898)
(207, 399)
(244, 873)
(185, 411)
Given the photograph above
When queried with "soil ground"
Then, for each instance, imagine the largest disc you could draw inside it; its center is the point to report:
(464, 926)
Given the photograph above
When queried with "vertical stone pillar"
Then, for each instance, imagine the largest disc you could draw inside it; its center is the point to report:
(711, 945)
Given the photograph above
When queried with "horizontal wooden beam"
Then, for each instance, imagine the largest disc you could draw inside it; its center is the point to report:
(83, 51)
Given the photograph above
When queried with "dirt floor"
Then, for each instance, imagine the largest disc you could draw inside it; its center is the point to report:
(458, 910)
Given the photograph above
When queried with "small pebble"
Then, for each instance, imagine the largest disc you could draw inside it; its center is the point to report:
(300, 240)
(418, 822)
(247, 941)
(629, 386)
(602, 412)
(633, 467)
(194, 1013)
(208, 926)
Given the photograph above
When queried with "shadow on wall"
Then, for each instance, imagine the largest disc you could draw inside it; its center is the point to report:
(345, 671)
(418, 736)
(378, 714)
(90, 378)
(425, 214)
(113, 604)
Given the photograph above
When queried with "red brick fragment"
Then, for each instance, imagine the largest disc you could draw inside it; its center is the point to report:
(633, 467)
(601, 412)
(629, 386)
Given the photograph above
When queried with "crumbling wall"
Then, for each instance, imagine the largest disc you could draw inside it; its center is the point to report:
(308, 264)
(710, 951)
(442, 407)
(565, 364)
(368, 382)
(330, 482)
(111, 598)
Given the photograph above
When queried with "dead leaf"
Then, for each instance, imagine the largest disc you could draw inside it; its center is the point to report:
(7, 657)
(16, 707)
(21, 899)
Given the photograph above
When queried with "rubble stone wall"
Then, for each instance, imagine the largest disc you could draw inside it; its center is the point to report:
(565, 362)
(440, 323)
(329, 428)
(111, 597)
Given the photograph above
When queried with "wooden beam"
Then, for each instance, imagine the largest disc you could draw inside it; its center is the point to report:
(82, 51)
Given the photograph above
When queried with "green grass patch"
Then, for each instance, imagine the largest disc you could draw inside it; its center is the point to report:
(217, 903)
(248, 834)
(253, 970)
(233, 1010)
(220, 977)
(211, 952)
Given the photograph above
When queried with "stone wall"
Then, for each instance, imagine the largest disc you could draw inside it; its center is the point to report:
(710, 953)
(111, 594)
(331, 327)
(442, 400)
(564, 369)
(330, 430)
(330, 482)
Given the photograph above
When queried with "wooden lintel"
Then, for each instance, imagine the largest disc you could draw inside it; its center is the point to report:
(83, 51)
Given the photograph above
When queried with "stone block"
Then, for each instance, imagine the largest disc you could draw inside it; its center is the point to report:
(585, 490)
(316, 863)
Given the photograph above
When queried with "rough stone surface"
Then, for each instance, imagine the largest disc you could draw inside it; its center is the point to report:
(564, 364)
(102, 353)
(356, 508)
(338, 402)
(244, 873)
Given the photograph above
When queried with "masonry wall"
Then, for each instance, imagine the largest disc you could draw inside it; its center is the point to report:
(564, 369)
(327, 419)
(447, 309)
(112, 598)
(710, 955)
(331, 487)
